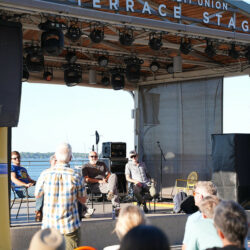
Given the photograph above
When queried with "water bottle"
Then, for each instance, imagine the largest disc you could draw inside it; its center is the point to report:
(113, 214)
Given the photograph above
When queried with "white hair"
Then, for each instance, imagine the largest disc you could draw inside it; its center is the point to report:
(63, 153)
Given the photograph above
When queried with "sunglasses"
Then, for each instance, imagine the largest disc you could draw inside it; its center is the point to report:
(133, 156)
(14, 158)
(93, 156)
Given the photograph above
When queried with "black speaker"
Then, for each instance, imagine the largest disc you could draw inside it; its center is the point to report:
(11, 60)
(113, 149)
(231, 167)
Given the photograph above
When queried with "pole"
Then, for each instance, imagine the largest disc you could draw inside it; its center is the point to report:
(162, 157)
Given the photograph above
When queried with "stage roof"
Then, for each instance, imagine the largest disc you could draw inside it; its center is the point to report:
(203, 27)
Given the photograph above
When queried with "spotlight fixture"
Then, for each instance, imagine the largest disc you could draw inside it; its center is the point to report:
(48, 75)
(103, 61)
(170, 68)
(154, 66)
(133, 69)
(117, 78)
(185, 46)
(97, 35)
(71, 57)
(34, 59)
(155, 42)
(210, 50)
(233, 52)
(105, 79)
(26, 74)
(247, 54)
(126, 37)
(73, 33)
(72, 74)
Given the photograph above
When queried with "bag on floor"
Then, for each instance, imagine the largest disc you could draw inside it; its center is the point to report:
(178, 198)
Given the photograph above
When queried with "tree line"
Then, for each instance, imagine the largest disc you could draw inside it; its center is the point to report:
(48, 154)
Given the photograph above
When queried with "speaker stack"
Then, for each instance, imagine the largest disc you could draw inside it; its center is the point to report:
(114, 155)
(231, 167)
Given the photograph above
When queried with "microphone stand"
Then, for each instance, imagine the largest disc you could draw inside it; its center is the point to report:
(162, 157)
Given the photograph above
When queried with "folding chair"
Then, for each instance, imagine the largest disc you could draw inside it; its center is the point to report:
(20, 196)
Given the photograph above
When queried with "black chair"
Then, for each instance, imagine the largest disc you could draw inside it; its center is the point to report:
(21, 197)
(95, 196)
(146, 195)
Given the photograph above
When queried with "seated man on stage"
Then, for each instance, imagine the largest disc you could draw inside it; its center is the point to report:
(19, 175)
(99, 178)
(136, 173)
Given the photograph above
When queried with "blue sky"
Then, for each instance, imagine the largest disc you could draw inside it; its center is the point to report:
(51, 114)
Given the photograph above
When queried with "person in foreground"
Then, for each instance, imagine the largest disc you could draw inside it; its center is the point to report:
(145, 237)
(47, 239)
(230, 220)
(62, 188)
(202, 189)
(19, 175)
(129, 217)
(137, 174)
(204, 234)
(99, 178)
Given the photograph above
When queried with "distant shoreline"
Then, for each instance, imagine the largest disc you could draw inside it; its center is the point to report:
(47, 155)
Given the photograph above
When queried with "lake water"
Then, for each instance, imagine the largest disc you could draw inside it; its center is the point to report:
(36, 166)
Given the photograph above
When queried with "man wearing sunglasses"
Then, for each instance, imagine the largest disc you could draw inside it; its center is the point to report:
(98, 176)
(19, 175)
(136, 173)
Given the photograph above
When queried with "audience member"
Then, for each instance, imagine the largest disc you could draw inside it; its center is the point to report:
(204, 234)
(202, 189)
(19, 175)
(39, 201)
(230, 220)
(137, 174)
(129, 217)
(62, 188)
(47, 239)
(100, 179)
(145, 237)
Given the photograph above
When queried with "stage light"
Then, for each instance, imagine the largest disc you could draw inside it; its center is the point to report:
(185, 46)
(74, 33)
(247, 54)
(133, 69)
(71, 57)
(105, 80)
(155, 42)
(103, 61)
(34, 59)
(233, 52)
(170, 68)
(154, 66)
(117, 78)
(210, 50)
(48, 75)
(26, 74)
(126, 37)
(72, 74)
(52, 42)
(97, 35)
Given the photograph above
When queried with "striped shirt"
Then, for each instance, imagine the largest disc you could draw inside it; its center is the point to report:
(61, 186)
